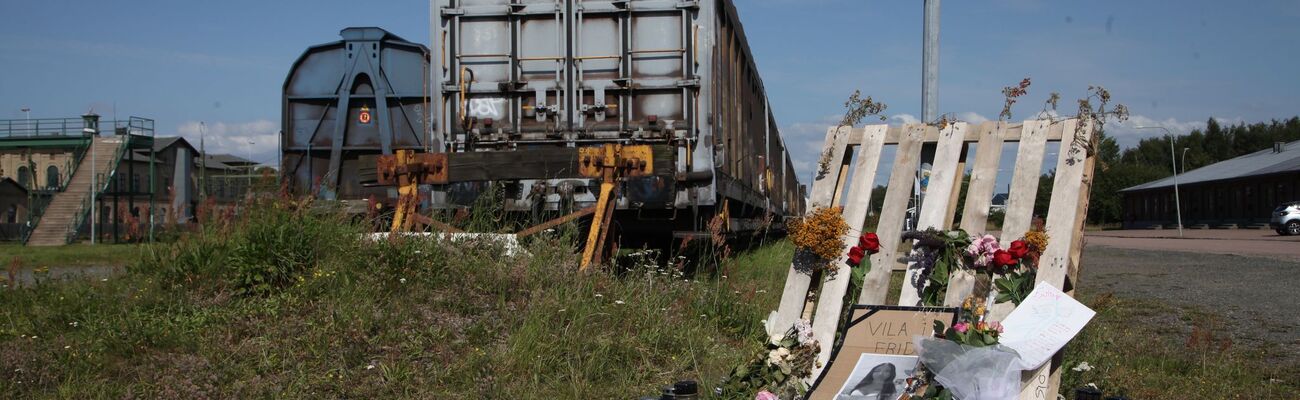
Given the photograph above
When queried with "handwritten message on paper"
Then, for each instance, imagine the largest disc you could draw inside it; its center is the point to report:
(1044, 323)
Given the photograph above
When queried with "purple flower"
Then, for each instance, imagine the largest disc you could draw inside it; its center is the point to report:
(765, 395)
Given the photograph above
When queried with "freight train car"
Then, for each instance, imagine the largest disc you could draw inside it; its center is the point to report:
(519, 91)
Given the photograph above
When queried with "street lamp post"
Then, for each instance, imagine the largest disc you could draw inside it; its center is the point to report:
(1185, 149)
(27, 117)
(1178, 212)
(251, 164)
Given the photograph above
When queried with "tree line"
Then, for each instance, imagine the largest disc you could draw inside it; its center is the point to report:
(1150, 159)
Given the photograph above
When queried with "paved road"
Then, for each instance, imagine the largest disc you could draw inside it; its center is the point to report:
(1242, 242)
(1256, 296)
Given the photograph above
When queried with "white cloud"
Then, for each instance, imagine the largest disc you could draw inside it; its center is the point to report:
(971, 117)
(905, 119)
(235, 138)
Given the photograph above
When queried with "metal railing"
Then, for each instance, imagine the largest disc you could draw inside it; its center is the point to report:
(44, 127)
(133, 126)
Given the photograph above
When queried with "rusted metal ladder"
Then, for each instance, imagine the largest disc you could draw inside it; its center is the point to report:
(1059, 264)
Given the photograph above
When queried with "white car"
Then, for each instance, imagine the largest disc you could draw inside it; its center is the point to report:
(1286, 219)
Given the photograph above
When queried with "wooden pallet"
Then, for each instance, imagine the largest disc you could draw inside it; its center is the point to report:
(1067, 210)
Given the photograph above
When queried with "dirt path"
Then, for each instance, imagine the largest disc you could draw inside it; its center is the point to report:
(1256, 296)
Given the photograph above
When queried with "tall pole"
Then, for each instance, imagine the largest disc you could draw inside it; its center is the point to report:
(203, 162)
(1185, 149)
(251, 164)
(1173, 163)
(929, 94)
(1177, 203)
(93, 195)
(930, 63)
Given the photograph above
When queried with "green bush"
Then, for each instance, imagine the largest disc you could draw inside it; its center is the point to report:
(276, 246)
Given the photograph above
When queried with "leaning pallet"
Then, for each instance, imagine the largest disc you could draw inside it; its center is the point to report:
(1059, 264)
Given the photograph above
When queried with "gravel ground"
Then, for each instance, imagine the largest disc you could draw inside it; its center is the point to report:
(1256, 296)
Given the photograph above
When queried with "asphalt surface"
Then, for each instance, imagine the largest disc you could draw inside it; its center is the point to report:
(1255, 296)
(1243, 242)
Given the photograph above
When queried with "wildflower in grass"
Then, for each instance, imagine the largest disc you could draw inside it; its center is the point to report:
(370, 366)
(403, 280)
(1083, 366)
(765, 395)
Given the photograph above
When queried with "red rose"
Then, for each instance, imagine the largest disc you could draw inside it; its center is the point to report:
(855, 256)
(1018, 249)
(1003, 258)
(870, 242)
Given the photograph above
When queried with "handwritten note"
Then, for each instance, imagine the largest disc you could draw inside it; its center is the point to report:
(1044, 323)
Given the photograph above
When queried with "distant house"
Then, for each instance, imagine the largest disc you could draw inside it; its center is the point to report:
(13, 208)
(1241, 191)
(999, 203)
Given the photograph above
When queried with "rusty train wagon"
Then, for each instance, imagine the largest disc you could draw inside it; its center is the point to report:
(517, 89)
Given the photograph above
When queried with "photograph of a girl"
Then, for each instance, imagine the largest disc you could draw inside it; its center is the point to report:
(877, 377)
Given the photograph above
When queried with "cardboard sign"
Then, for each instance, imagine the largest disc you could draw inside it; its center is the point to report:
(877, 330)
(1043, 323)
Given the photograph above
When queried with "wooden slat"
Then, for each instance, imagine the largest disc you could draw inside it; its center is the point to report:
(979, 196)
(1024, 182)
(796, 282)
(1024, 192)
(838, 197)
(907, 157)
(826, 319)
(1064, 225)
(1012, 135)
(838, 140)
(955, 191)
(942, 174)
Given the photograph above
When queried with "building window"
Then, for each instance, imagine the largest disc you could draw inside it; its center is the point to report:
(24, 177)
(52, 177)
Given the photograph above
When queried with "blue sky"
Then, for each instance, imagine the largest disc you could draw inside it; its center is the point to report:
(1172, 63)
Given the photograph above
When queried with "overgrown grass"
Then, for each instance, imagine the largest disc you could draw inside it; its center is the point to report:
(78, 255)
(1150, 350)
(335, 316)
(350, 318)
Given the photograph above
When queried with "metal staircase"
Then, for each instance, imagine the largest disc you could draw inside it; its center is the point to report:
(68, 209)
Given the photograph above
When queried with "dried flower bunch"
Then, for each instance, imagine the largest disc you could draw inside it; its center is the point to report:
(820, 233)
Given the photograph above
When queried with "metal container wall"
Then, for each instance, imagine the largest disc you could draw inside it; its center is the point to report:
(512, 75)
(325, 135)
